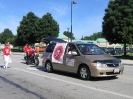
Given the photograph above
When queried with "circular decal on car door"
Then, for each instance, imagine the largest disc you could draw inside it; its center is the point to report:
(58, 52)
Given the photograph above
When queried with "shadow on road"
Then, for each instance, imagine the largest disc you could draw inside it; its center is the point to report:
(41, 68)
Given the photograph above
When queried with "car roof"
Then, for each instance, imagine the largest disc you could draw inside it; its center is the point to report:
(52, 39)
(81, 43)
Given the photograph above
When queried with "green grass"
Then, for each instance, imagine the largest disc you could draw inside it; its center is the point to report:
(16, 50)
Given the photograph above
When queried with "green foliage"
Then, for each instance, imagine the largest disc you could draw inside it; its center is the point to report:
(118, 22)
(47, 27)
(17, 50)
(5, 36)
(26, 31)
(12, 40)
(32, 28)
(93, 37)
(68, 34)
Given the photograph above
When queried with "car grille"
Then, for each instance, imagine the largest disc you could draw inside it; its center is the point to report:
(112, 65)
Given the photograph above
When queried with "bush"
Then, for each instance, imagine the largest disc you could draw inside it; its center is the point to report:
(16, 50)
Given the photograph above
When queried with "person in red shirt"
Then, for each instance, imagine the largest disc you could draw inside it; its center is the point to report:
(6, 55)
(29, 51)
(24, 49)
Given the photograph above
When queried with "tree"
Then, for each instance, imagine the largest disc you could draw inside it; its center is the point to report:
(26, 32)
(4, 36)
(117, 26)
(12, 40)
(48, 26)
(82, 38)
(68, 34)
(32, 28)
(94, 36)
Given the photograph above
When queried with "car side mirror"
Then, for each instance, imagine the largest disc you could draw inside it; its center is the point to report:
(74, 53)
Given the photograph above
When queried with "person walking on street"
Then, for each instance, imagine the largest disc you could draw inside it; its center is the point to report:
(6, 55)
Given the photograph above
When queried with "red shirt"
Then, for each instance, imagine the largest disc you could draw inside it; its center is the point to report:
(25, 47)
(29, 50)
(6, 51)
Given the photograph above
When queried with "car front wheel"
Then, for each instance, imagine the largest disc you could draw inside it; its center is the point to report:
(48, 67)
(84, 73)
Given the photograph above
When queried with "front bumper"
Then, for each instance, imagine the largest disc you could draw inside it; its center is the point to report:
(106, 71)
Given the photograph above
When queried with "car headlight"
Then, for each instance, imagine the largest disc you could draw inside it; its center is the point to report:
(120, 63)
(99, 64)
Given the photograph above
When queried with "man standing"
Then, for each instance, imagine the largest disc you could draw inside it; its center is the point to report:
(37, 49)
(6, 55)
(29, 52)
(24, 49)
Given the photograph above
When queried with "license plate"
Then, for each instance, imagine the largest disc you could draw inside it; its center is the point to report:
(116, 70)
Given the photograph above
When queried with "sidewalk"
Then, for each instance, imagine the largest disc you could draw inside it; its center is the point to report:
(127, 62)
(17, 53)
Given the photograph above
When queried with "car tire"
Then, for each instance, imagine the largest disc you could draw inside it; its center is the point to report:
(48, 67)
(84, 73)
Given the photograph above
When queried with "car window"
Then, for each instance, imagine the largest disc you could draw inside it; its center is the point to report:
(70, 48)
(50, 47)
(90, 49)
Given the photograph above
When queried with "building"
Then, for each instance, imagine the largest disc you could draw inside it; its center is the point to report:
(101, 42)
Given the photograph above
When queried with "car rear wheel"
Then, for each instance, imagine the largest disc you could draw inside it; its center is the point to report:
(84, 73)
(48, 67)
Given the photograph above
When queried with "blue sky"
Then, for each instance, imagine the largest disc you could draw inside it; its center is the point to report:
(87, 15)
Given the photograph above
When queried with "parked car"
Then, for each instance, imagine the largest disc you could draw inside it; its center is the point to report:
(116, 52)
(85, 59)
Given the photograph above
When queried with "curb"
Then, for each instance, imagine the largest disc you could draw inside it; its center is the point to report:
(128, 64)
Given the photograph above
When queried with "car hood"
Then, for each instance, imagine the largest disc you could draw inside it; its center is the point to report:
(102, 58)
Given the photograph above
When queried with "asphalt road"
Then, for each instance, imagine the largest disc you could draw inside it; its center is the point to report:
(22, 81)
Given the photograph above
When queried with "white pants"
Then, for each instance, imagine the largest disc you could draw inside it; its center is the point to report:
(6, 59)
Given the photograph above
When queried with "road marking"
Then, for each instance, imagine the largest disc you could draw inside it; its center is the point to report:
(89, 87)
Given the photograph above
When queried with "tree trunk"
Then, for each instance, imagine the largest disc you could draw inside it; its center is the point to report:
(124, 48)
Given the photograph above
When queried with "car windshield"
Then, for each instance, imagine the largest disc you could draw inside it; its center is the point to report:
(90, 49)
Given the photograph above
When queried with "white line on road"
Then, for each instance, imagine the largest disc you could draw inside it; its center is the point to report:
(31, 68)
(89, 87)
